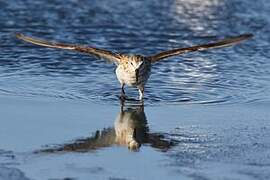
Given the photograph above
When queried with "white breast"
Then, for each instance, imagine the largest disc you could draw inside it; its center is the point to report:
(125, 76)
(129, 77)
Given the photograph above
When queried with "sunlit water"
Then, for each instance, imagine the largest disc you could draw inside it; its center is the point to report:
(229, 75)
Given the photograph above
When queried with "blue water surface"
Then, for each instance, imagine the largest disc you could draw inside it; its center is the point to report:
(228, 75)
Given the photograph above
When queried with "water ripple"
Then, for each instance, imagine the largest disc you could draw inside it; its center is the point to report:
(231, 75)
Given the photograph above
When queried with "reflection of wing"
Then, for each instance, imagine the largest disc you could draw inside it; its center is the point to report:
(218, 44)
(101, 139)
(89, 50)
(158, 141)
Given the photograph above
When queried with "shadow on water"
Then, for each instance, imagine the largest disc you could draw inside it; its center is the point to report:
(130, 130)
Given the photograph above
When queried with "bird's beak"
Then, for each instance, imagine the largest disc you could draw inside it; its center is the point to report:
(137, 74)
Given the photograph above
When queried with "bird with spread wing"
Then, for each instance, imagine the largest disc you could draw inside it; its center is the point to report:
(134, 70)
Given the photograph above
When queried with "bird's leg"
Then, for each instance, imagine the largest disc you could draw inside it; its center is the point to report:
(123, 94)
(141, 92)
(122, 102)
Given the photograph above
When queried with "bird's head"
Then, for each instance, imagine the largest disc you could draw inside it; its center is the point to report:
(135, 62)
(133, 145)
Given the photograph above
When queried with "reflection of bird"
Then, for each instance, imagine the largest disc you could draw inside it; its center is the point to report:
(130, 129)
(134, 70)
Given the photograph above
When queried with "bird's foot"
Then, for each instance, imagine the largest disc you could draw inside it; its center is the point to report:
(123, 97)
(142, 101)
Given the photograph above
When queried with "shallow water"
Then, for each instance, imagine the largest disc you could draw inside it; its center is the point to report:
(76, 140)
(229, 75)
(206, 114)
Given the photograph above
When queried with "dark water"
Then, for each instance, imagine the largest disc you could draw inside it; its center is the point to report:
(230, 75)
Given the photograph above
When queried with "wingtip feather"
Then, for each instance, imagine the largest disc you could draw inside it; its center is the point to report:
(19, 35)
(247, 35)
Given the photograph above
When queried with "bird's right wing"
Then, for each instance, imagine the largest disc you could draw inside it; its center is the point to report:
(108, 55)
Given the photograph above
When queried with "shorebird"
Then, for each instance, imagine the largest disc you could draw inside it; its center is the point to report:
(134, 70)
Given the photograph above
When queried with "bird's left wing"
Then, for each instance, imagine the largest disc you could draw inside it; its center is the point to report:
(217, 44)
(108, 55)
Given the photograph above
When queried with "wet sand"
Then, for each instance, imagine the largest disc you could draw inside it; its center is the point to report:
(58, 139)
